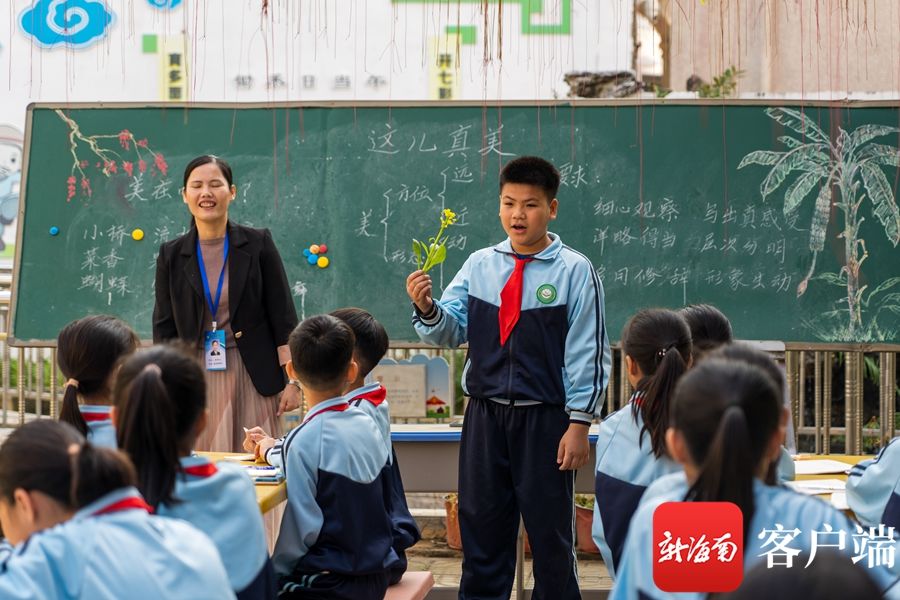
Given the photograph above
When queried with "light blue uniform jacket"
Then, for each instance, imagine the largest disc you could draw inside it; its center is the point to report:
(220, 501)
(774, 505)
(123, 554)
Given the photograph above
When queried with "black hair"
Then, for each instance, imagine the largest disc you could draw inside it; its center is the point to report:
(88, 351)
(659, 341)
(727, 412)
(159, 395)
(831, 576)
(710, 328)
(371, 337)
(206, 159)
(37, 457)
(764, 361)
(532, 170)
(321, 350)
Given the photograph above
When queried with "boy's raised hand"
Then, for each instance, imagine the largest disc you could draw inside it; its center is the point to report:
(574, 447)
(418, 288)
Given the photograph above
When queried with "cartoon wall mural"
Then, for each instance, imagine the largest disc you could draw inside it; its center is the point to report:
(69, 23)
(10, 176)
(164, 4)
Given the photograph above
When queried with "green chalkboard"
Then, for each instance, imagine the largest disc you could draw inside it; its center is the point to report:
(751, 207)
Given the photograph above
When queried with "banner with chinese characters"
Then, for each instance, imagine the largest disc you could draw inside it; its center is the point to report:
(443, 66)
(173, 68)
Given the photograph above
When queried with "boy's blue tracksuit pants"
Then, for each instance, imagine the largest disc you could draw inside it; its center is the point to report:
(507, 466)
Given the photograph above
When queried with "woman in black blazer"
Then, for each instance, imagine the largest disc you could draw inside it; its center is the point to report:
(254, 314)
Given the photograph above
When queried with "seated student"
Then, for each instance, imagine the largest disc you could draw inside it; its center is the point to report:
(335, 539)
(83, 531)
(710, 329)
(631, 451)
(873, 488)
(783, 469)
(727, 422)
(830, 576)
(159, 411)
(371, 346)
(88, 351)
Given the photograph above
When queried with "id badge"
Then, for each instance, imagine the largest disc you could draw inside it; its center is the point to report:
(214, 350)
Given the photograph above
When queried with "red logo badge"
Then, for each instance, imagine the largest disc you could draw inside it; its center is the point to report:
(698, 547)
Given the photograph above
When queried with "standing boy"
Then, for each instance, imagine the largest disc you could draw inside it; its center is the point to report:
(532, 311)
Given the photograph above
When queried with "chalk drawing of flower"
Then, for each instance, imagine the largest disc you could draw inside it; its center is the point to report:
(70, 23)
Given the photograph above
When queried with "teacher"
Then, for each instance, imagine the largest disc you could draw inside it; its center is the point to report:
(222, 285)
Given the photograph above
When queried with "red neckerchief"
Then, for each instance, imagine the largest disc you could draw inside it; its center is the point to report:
(337, 408)
(132, 502)
(374, 397)
(90, 417)
(204, 470)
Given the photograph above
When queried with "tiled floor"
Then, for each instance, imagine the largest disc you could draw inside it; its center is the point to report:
(592, 574)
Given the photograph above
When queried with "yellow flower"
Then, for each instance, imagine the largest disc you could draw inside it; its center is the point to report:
(448, 217)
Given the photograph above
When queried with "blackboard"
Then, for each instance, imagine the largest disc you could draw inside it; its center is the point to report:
(652, 193)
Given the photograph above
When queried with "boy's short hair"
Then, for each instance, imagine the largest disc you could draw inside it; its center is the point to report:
(371, 337)
(532, 170)
(321, 350)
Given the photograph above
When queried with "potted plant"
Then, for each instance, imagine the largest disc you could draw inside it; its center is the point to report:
(584, 522)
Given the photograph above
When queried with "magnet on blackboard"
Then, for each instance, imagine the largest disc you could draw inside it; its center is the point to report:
(323, 248)
(312, 258)
(54, 230)
(306, 252)
(322, 262)
(314, 249)
(137, 235)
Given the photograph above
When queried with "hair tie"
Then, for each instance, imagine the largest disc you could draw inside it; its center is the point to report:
(152, 368)
(661, 353)
(71, 381)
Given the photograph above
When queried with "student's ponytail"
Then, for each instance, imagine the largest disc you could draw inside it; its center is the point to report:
(727, 412)
(727, 473)
(145, 429)
(159, 395)
(659, 341)
(70, 413)
(656, 398)
(98, 471)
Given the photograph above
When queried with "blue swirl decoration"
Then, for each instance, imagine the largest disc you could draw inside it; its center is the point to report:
(164, 4)
(73, 23)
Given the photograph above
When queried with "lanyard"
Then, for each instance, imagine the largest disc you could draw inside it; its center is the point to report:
(213, 306)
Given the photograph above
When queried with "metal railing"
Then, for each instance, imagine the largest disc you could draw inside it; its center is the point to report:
(810, 374)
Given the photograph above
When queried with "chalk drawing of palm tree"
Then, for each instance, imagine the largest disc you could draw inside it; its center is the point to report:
(837, 169)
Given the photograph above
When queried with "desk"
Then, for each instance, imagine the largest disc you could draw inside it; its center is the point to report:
(267, 496)
(844, 458)
(428, 456)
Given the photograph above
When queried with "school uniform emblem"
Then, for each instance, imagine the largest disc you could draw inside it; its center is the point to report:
(546, 293)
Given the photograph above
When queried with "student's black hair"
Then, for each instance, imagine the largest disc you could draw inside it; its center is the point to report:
(371, 337)
(532, 170)
(38, 456)
(710, 328)
(659, 341)
(321, 350)
(88, 351)
(206, 159)
(831, 576)
(762, 360)
(159, 395)
(727, 412)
